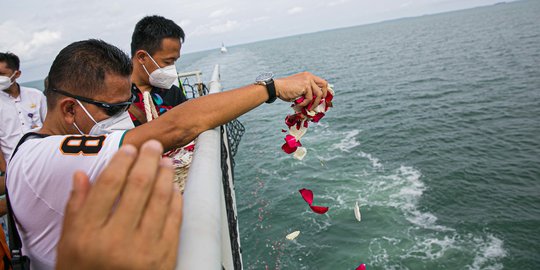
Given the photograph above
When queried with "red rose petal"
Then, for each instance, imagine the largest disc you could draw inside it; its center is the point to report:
(318, 117)
(287, 149)
(361, 267)
(307, 195)
(319, 209)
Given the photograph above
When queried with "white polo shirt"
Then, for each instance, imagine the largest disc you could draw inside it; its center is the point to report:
(19, 116)
(39, 182)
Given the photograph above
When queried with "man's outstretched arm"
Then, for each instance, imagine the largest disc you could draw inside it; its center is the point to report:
(185, 122)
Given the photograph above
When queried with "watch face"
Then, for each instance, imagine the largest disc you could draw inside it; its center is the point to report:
(265, 77)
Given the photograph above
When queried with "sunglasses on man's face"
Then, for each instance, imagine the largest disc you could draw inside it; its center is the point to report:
(109, 108)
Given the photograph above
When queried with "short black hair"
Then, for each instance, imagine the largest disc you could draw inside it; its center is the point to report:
(11, 60)
(80, 68)
(151, 30)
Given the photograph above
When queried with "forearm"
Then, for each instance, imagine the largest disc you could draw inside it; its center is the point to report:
(185, 122)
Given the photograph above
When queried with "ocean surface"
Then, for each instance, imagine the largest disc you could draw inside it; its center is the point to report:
(435, 132)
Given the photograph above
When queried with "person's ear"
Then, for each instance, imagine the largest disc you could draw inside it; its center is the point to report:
(67, 108)
(17, 75)
(141, 56)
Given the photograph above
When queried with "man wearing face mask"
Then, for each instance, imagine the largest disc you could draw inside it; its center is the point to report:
(23, 108)
(155, 47)
(87, 108)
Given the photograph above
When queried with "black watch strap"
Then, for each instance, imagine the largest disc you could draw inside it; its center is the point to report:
(271, 89)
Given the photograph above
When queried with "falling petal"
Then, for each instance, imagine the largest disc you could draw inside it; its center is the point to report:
(293, 235)
(299, 100)
(300, 153)
(357, 212)
(307, 195)
(287, 149)
(319, 209)
(361, 267)
(282, 130)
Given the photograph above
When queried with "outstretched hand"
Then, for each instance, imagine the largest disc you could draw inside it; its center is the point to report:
(129, 219)
(305, 84)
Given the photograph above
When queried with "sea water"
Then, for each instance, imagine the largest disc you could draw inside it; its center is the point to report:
(435, 132)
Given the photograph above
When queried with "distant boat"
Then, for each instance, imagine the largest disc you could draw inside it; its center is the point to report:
(223, 48)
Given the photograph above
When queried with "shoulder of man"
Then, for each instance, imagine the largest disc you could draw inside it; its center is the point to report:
(66, 153)
(31, 91)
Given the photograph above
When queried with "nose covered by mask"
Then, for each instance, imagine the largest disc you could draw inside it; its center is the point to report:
(162, 77)
(5, 82)
(118, 122)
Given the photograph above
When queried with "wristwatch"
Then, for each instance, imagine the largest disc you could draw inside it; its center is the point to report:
(267, 79)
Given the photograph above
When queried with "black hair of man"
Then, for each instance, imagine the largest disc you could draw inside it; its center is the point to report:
(80, 69)
(12, 61)
(151, 30)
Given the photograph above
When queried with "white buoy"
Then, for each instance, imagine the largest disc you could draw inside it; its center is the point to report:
(357, 212)
(293, 235)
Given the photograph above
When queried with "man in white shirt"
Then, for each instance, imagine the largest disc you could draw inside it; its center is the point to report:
(22, 108)
(88, 95)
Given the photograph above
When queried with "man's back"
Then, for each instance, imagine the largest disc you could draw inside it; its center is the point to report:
(39, 182)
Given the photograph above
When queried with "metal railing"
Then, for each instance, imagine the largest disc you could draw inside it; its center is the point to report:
(209, 238)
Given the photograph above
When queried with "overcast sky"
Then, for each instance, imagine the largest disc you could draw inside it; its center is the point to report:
(36, 30)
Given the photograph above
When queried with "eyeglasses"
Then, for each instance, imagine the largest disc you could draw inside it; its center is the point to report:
(109, 108)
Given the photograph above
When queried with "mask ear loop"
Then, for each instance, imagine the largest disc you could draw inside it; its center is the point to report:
(87, 113)
(151, 58)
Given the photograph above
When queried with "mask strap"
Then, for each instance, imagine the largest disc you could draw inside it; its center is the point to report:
(151, 58)
(78, 129)
(87, 113)
(145, 70)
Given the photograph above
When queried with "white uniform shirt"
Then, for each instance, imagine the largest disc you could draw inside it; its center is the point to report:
(20, 115)
(39, 181)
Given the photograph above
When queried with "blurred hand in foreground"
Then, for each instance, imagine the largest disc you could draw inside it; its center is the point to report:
(129, 219)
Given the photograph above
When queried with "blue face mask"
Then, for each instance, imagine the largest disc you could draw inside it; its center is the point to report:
(117, 122)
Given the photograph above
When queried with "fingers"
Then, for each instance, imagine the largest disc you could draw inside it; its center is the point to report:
(81, 186)
(308, 97)
(109, 184)
(138, 186)
(317, 92)
(157, 209)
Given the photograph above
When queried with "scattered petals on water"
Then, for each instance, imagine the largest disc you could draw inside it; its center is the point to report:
(361, 267)
(293, 235)
(307, 195)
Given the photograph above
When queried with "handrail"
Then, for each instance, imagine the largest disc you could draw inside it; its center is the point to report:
(204, 236)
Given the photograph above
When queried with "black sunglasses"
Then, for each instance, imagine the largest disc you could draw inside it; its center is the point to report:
(109, 108)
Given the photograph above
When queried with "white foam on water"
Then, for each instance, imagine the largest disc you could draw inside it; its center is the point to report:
(375, 163)
(347, 143)
(488, 252)
(424, 239)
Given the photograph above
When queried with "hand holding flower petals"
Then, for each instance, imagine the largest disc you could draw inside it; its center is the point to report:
(299, 121)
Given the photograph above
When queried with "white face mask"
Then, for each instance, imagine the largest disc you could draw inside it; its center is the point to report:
(162, 77)
(117, 122)
(5, 81)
